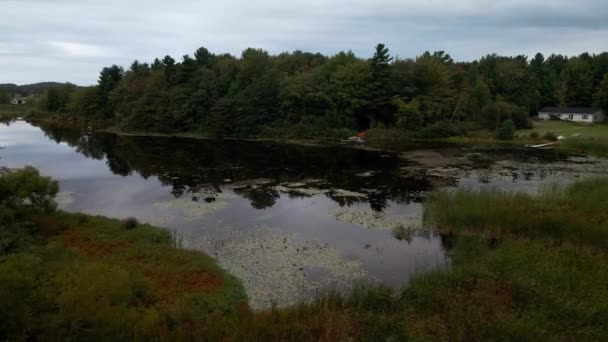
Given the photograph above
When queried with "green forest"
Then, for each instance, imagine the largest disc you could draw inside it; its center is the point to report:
(309, 93)
(8, 90)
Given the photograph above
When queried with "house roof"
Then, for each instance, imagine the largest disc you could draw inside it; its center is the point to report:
(570, 110)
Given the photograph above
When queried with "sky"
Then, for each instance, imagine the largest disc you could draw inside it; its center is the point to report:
(71, 40)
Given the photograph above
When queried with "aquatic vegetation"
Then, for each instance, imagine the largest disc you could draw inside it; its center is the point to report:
(347, 193)
(302, 191)
(277, 267)
(372, 219)
(194, 210)
(575, 213)
(252, 182)
(403, 233)
(596, 146)
(515, 287)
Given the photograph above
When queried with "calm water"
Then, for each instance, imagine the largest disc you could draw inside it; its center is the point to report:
(288, 220)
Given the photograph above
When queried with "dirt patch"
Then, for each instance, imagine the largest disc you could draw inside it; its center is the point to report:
(173, 284)
(49, 225)
(92, 248)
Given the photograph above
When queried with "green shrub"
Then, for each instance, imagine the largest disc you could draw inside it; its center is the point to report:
(534, 135)
(506, 131)
(130, 223)
(501, 110)
(522, 120)
(550, 136)
(444, 129)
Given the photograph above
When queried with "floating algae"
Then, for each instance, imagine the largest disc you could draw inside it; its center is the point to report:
(306, 192)
(193, 210)
(278, 268)
(347, 193)
(252, 182)
(302, 188)
(373, 219)
(530, 177)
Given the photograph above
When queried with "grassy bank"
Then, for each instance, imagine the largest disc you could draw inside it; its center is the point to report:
(581, 138)
(78, 277)
(9, 112)
(92, 278)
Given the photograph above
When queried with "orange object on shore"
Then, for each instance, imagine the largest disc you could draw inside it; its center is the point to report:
(361, 134)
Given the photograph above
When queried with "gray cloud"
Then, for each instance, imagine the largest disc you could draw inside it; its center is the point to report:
(71, 40)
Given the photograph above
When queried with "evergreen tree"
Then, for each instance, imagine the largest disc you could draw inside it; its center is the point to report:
(380, 108)
(601, 96)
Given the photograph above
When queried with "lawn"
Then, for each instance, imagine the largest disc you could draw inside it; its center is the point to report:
(567, 129)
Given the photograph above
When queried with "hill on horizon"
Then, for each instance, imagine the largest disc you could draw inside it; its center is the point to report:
(29, 89)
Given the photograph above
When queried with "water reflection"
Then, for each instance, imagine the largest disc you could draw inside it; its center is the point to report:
(187, 165)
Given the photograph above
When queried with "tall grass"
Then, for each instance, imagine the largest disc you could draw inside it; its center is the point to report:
(576, 213)
(587, 145)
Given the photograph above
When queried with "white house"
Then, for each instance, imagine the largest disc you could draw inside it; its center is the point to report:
(588, 115)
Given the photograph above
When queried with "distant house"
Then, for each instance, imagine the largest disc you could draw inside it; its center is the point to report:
(18, 99)
(588, 115)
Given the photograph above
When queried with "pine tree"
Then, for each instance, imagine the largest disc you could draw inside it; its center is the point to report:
(380, 108)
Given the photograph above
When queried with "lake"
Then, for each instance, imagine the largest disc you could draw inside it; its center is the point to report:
(288, 220)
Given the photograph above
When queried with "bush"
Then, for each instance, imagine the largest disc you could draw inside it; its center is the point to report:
(409, 116)
(130, 223)
(444, 129)
(500, 111)
(534, 135)
(506, 131)
(26, 189)
(550, 136)
(522, 120)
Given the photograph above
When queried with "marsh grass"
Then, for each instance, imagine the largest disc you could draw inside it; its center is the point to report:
(575, 213)
(89, 278)
(596, 146)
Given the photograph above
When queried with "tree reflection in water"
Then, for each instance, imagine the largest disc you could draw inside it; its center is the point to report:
(188, 164)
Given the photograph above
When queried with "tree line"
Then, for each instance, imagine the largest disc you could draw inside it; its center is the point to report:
(259, 93)
(9, 90)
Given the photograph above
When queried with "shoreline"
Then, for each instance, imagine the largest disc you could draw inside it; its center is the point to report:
(397, 141)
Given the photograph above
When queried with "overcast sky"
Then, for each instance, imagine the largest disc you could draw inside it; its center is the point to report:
(71, 40)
